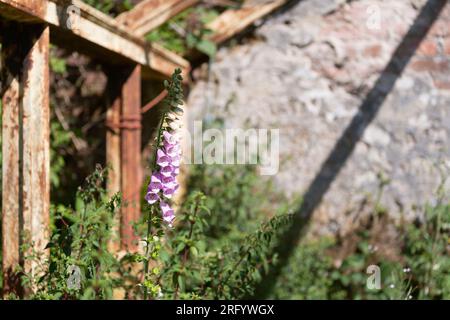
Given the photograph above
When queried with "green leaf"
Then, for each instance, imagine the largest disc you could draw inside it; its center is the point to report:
(194, 251)
(58, 65)
(181, 283)
(180, 247)
(207, 47)
(191, 40)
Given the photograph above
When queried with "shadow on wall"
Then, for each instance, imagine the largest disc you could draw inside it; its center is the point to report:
(344, 146)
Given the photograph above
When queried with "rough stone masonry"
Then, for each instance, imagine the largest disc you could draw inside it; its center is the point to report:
(308, 70)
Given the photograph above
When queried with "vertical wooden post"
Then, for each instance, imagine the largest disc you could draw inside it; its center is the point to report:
(11, 206)
(25, 148)
(123, 149)
(130, 156)
(113, 146)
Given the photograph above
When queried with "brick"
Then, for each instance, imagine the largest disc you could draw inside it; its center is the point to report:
(424, 65)
(442, 84)
(440, 28)
(428, 48)
(445, 14)
(447, 46)
(373, 51)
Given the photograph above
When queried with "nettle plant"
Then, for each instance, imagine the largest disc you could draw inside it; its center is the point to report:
(79, 266)
(194, 266)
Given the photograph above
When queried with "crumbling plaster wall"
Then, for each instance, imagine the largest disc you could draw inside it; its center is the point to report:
(307, 71)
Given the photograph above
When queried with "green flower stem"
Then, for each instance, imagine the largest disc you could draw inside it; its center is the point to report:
(152, 209)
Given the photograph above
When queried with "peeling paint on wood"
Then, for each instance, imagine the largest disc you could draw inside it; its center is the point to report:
(233, 21)
(131, 179)
(36, 143)
(10, 153)
(150, 14)
(26, 134)
(101, 35)
(113, 147)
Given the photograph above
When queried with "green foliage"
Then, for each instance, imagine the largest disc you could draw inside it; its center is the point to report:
(186, 246)
(58, 139)
(426, 250)
(79, 243)
(102, 5)
(421, 272)
(111, 7)
(57, 65)
(187, 31)
(199, 260)
(241, 197)
(308, 275)
(194, 267)
(221, 246)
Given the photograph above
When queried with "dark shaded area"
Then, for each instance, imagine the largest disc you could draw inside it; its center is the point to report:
(12, 284)
(81, 96)
(78, 104)
(85, 113)
(347, 142)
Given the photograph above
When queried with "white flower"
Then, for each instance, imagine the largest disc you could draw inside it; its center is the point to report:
(160, 294)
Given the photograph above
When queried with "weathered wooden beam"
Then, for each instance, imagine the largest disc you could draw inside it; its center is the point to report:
(25, 149)
(11, 208)
(77, 26)
(233, 21)
(113, 146)
(36, 145)
(150, 14)
(130, 124)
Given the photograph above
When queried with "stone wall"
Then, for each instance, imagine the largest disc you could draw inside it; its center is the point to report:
(313, 69)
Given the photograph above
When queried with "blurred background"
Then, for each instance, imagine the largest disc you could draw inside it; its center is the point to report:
(360, 91)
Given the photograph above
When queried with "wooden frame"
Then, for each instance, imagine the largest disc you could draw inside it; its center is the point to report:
(25, 148)
(77, 26)
(233, 21)
(130, 160)
(27, 27)
(25, 95)
(150, 14)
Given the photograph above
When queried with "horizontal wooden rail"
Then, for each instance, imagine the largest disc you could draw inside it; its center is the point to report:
(233, 21)
(150, 14)
(77, 26)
